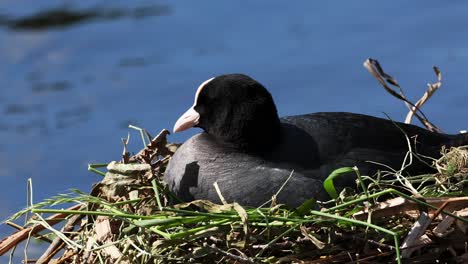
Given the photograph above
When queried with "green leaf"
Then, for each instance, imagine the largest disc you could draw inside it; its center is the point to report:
(305, 207)
(328, 183)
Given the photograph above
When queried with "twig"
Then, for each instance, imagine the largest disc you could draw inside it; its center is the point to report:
(376, 70)
(279, 190)
(14, 239)
(218, 191)
(125, 153)
(57, 244)
(37, 236)
(432, 87)
(370, 241)
(229, 255)
(157, 143)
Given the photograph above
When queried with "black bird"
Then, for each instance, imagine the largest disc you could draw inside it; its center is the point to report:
(250, 152)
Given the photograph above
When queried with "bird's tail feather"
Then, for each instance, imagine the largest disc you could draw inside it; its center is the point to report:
(460, 140)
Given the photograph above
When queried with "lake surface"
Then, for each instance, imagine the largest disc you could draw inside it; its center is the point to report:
(74, 74)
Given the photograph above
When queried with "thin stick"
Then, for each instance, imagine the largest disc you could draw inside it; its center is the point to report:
(17, 237)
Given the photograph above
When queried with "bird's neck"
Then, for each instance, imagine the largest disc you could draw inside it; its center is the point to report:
(258, 136)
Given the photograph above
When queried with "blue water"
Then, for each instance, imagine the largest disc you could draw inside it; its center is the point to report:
(68, 93)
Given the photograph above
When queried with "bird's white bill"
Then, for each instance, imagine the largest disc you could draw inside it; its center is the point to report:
(187, 120)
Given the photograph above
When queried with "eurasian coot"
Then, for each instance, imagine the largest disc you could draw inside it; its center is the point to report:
(250, 152)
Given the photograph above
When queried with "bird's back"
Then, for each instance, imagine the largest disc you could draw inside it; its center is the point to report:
(346, 139)
(312, 145)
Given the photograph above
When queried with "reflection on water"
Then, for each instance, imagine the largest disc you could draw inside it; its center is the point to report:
(69, 117)
(49, 18)
(58, 86)
(34, 126)
(40, 119)
(35, 119)
(14, 109)
(133, 62)
(65, 17)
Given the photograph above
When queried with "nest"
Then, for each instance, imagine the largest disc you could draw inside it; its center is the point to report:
(454, 162)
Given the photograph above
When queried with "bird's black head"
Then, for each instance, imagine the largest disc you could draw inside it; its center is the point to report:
(236, 110)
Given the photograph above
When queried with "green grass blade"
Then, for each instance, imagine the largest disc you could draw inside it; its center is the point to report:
(328, 183)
